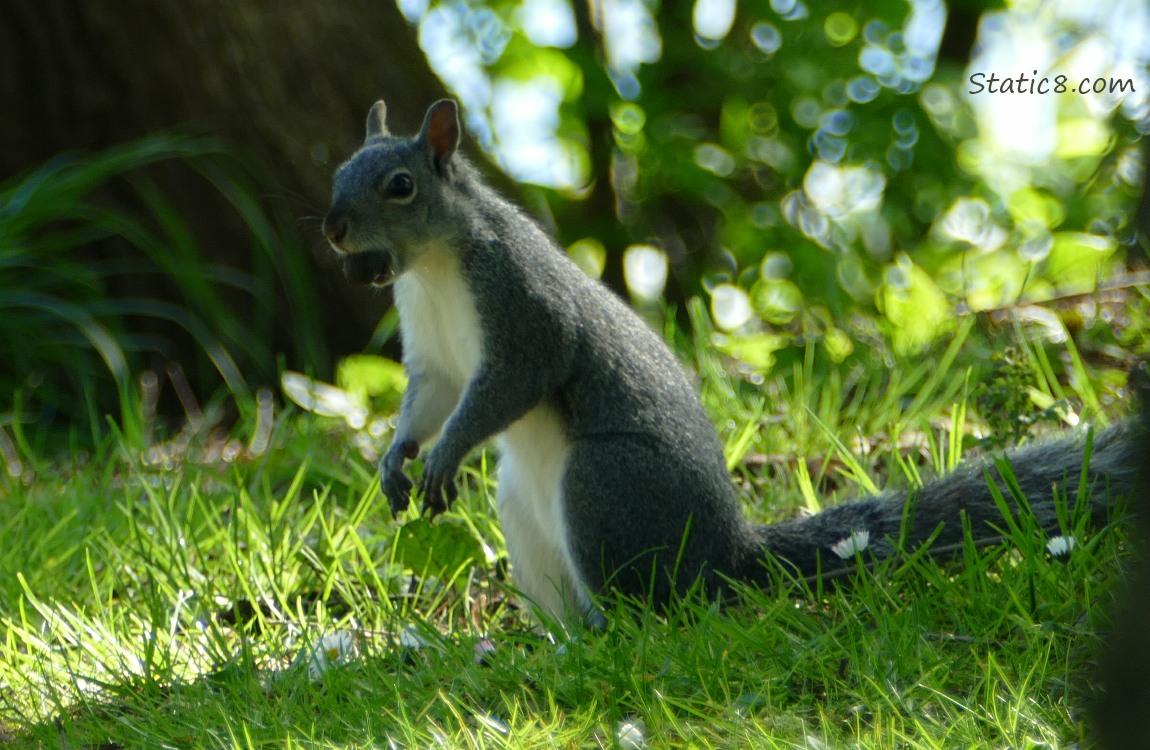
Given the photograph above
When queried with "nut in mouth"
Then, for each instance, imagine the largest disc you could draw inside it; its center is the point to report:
(369, 267)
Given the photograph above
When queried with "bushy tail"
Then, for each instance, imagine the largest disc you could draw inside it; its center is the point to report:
(807, 546)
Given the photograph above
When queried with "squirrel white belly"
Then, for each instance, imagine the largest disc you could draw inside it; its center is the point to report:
(612, 477)
(442, 335)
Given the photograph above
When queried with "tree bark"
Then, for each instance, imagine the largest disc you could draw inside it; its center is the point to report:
(289, 82)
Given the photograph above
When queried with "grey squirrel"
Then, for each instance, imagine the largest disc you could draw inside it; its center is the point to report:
(611, 474)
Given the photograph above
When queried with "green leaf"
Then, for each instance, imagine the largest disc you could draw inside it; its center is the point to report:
(1083, 136)
(776, 301)
(838, 344)
(1076, 259)
(369, 375)
(917, 310)
(443, 549)
(1033, 205)
(756, 349)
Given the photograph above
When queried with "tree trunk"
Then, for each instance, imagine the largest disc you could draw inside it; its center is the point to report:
(289, 82)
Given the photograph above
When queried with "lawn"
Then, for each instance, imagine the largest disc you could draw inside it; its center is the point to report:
(245, 586)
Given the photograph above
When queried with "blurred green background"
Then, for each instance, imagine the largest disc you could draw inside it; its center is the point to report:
(827, 179)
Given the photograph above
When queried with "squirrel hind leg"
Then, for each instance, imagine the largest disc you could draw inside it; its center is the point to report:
(645, 523)
(541, 567)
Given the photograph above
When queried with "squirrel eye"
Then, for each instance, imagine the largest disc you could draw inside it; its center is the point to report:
(400, 185)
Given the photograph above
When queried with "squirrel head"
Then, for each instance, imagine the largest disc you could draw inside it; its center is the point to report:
(393, 200)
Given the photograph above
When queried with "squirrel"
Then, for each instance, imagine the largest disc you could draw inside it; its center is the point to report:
(611, 474)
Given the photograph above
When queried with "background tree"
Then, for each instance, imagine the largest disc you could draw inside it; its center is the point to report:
(817, 175)
(287, 84)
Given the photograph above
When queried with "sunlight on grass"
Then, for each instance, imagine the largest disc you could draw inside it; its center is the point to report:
(190, 596)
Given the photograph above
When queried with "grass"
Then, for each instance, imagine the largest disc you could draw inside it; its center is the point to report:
(102, 275)
(252, 590)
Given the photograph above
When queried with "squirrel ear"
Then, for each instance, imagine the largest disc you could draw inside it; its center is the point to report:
(377, 121)
(441, 130)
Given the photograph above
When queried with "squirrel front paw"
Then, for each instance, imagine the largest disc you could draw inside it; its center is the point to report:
(394, 483)
(397, 489)
(438, 487)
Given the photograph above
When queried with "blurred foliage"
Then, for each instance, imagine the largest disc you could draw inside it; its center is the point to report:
(94, 291)
(802, 166)
(815, 174)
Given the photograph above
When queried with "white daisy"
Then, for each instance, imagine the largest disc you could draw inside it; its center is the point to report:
(848, 547)
(630, 735)
(1060, 546)
(332, 649)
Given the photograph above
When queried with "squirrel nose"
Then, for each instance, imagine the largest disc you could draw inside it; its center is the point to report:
(335, 228)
